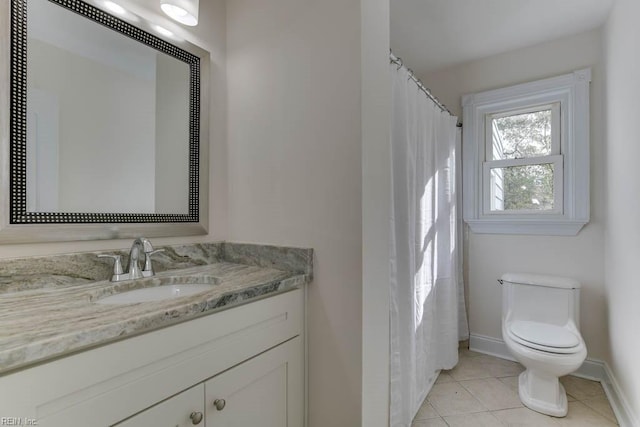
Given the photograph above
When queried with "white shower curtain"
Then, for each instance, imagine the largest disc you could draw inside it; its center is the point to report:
(427, 300)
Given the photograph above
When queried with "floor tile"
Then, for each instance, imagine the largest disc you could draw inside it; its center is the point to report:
(425, 412)
(465, 352)
(469, 368)
(444, 377)
(524, 417)
(492, 393)
(601, 405)
(501, 367)
(482, 419)
(581, 416)
(453, 399)
(464, 395)
(483, 366)
(511, 382)
(580, 388)
(433, 422)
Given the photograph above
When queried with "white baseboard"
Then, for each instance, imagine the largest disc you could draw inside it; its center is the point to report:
(490, 346)
(619, 403)
(591, 369)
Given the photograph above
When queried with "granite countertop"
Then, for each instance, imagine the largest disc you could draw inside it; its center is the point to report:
(47, 322)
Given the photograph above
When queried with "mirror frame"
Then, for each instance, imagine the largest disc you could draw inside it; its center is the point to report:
(17, 225)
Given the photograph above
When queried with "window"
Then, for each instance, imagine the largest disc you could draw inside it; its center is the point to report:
(523, 163)
(526, 157)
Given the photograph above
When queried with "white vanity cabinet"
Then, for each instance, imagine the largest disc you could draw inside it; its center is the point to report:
(251, 356)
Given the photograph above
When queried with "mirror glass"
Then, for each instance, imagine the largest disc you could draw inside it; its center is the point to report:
(107, 119)
(110, 125)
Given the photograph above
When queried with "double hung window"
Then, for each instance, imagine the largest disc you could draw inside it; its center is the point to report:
(526, 157)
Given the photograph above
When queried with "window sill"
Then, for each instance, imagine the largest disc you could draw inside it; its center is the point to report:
(554, 227)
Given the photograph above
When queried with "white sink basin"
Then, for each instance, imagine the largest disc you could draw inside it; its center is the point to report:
(158, 293)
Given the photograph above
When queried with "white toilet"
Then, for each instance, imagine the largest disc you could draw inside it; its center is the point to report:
(541, 328)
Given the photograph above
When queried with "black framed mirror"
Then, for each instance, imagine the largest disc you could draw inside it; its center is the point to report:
(105, 126)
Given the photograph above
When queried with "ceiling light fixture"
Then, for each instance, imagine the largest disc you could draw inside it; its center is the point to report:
(183, 11)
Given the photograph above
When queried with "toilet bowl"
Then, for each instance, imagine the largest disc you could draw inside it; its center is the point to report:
(540, 326)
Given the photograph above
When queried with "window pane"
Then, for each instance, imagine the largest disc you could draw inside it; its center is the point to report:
(522, 135)
(522, 188)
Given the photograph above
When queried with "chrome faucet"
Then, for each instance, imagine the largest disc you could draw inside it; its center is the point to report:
(141, 244)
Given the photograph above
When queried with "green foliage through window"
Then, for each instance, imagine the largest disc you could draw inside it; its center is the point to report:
(522, 135)
(524, 187)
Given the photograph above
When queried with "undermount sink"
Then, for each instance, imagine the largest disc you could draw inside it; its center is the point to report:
(159, 289)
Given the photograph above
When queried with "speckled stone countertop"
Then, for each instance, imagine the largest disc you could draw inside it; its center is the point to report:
(43, 321)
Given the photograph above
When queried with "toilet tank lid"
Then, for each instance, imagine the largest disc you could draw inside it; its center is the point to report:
(541, 280)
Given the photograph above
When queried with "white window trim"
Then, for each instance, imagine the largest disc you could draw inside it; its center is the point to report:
(572, 178)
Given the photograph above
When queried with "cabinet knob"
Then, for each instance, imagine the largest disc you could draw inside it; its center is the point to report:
(219, 404)
(196, 418)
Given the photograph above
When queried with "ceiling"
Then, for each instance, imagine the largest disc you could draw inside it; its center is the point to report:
(434, 34)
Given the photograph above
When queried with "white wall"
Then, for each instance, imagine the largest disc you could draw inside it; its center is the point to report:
(376, 194)
(581, 257)
(211, 35)
(294, 169)
(622, 60)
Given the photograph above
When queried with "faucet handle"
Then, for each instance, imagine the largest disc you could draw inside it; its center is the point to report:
(148, 267)
(117, 266)
(145, 243)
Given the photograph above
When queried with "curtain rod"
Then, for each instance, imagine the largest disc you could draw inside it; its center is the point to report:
(396, 60)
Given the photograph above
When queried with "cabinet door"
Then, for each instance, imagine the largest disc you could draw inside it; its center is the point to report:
(266, 391)
(182, 410)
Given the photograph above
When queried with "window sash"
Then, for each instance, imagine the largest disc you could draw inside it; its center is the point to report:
(555, 108)
(558, 184)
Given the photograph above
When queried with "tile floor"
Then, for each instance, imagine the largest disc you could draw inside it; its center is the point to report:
(482, 391)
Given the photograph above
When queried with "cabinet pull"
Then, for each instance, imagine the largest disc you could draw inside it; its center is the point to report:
(219, 404)
(196, 418)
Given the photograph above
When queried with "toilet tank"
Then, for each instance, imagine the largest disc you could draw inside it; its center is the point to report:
(534, 297)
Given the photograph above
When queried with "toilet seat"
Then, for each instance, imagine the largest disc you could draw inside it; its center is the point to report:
(544, 337)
